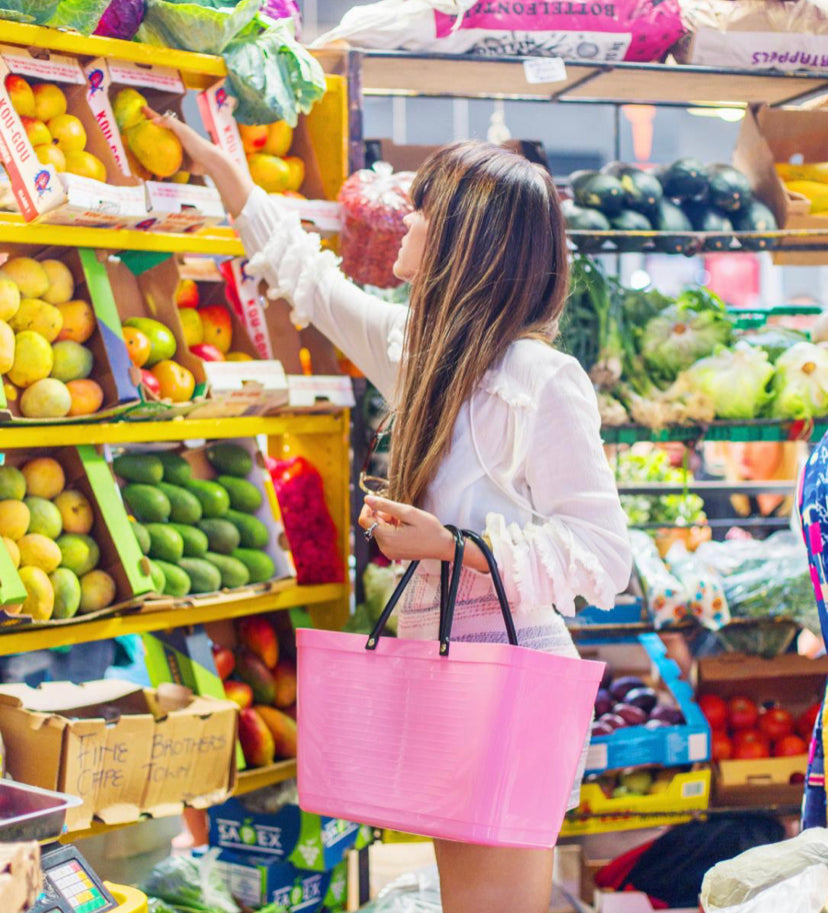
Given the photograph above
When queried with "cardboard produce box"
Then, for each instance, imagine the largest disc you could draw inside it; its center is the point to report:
(86, 471)
(21, 878)
(631, 746)
(123, 750)
(770, 135)
(170, 206)
(40, 191)
(795, 682)
(112, 369)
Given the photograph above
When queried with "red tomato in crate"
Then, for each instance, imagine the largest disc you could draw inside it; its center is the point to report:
(776, 722)
(789, 746)
(742, 713)
(721, 748)
(751, 737)
(806, 721)
(714, 709)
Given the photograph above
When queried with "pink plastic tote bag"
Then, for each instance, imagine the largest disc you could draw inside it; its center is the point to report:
(473, 742)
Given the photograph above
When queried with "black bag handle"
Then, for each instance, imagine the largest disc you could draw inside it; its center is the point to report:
(481, 543)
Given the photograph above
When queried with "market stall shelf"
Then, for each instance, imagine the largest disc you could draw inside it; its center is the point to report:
(754, 430)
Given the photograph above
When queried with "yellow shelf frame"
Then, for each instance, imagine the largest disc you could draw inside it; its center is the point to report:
(198, 70)
(216, 241)
(289, 596)
(14, 437)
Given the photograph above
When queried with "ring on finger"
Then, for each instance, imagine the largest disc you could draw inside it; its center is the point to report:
(369, 533)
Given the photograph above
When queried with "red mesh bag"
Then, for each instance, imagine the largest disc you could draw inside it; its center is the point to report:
(374, 203)
(309, 528)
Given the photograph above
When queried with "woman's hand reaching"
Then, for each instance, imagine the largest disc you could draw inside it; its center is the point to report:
(198, 149)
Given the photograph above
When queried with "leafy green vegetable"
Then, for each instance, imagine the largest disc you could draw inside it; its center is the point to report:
(735, 380)
(800, 384)
(200, 27)
(81, 15)
(683, 333)
(193, 884)
(774, 340)
(156, 905)
(36, 12)
(673, 510)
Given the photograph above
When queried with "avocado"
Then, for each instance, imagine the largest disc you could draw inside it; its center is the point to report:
(138, 467)
(176, 581)
(184, 505)
(253, 533)
(230, 459)
(259, 564)
(233, 572)
(146, 503)
(215, 501)
(159, 580)
(195, 542)
(204, 577)
(142, 536)
(177, 471)
(166, 543)
(222, 535)
(244, 495)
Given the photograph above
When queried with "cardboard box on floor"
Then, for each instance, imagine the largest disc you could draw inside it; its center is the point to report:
(793, 681)
(40, 192)
(123, 750)
(112, 368)
(21, 878)
(770, 135)
(170, 206)
(86, 471)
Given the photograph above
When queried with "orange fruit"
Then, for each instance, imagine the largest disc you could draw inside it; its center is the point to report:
(177, 383)
(78, 321)
(138, 346)
(87, 396)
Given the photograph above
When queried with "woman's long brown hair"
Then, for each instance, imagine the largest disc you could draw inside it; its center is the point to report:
(494, 270)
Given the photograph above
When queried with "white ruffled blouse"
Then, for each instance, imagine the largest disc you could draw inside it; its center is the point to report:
(526, 463)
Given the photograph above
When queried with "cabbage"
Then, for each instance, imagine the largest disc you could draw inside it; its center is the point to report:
(80, 15)
(680, 335)
(121, 19)
(202, 27)
(800, 384)
(31, 11)
(735, 380)
(774, 340)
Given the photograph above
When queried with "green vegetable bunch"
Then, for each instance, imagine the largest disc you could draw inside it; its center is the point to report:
(633, 468)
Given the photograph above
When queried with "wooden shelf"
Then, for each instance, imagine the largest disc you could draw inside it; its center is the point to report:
(283, 595)
(476, 76)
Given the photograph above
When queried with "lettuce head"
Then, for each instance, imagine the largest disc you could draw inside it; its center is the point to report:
(680, 335)
(735, 380)
(800, 384)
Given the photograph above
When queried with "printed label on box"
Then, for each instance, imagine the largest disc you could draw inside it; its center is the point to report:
(54, 68)
(760, 50)
(216, 108)
(252, 311)
(161, 78)
(544, 69)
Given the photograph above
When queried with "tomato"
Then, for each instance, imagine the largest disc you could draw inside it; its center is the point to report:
(714, 709)
(750, 751)
(177, 383)
(138, 346)
(225, 661)
(751, 737)
(789, 746)
(807, 720)
(776, 723)
(742, 713)
(721, 748)
(150, 381)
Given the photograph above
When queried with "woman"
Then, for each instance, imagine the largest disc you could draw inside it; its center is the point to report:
(494, 429)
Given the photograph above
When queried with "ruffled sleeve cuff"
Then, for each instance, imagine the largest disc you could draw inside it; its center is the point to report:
(285, 256)
(545, 565)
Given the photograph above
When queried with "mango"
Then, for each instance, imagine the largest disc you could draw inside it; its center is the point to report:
(9, 297)
(32, 359)
(44, 477)
(36, 131)
(238, 356)
(256, 741)
(128, 108)
(45, 517)
(217, 327)
(71, 361)
(158, 149)
(285, 675)
(14, 519)
(97, 591)
(186, 294)
(79, 553)
(67, 591)
(177, 583)
(136, 167)
(35, 314)
(279, 138)
(6, 347)
(46, 398)
(49, 100)
(258, 635)
(21, 95)
(85, 165)
(38, 551)
(161, 339)
(13, 550)
(40, 601)
(269, 171)
(251, 670)
(75, 512)
(204, 577)
(253, 137)
(28, 275)
(239, 693)
(215, 501)
(244, 495)
(147, 504)
(138, 467)
(296, 167)
(12, 483)
(68, 132)
(184, 505)
(50, 155)
(282, 729)
(78, 321)
(221, 535)
(192, 326)
(177, 471)
(87, 396)
(259, 564)
(61, 282)
(175, 382)
(230, 459)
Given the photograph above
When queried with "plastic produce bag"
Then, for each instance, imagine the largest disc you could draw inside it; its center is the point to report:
(666, 596)
(791, 876)
(623, 30)
(374, 202)
(418, 892)
(195, 884)
(706, 600)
